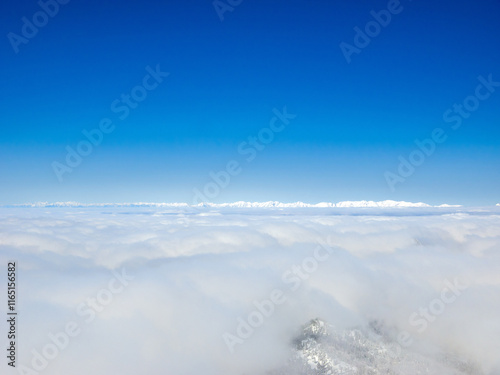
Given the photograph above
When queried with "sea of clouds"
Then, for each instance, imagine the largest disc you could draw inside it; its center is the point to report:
(171, 284)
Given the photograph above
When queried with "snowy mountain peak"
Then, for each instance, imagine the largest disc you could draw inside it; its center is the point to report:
(320, 349)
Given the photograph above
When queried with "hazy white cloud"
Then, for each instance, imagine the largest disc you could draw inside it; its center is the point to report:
(196, 271)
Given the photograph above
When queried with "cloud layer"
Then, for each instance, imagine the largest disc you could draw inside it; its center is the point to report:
(196, 272)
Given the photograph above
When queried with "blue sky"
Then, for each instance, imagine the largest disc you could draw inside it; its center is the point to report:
(353, 120)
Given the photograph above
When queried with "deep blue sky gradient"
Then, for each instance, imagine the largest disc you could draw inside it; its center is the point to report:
(353, 120)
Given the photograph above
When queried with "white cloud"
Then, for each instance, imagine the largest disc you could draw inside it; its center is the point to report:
(197, 270)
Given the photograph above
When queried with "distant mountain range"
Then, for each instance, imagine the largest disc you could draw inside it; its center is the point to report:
(241, 204)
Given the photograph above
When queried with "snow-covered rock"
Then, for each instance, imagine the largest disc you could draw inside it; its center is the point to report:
(320, 349)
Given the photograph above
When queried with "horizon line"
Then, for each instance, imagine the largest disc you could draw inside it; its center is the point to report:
(245, 204)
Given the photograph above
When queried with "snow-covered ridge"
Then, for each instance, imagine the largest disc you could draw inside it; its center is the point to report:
(322, 349)
(387, 203)
(241, 204)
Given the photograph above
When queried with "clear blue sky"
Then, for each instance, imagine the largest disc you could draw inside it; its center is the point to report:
(353, 119)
